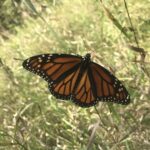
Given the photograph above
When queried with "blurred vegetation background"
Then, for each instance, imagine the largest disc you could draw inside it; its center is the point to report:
(30, 117)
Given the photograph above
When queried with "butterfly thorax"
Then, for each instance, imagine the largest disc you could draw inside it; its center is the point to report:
(86, 61)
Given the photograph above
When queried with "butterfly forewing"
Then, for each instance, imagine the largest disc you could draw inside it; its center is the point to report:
(108, 87)
(51, 67)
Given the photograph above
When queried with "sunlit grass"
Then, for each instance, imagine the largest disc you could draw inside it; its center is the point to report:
(31, 118)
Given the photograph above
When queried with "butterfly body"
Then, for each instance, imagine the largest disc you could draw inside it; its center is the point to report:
(78, 79)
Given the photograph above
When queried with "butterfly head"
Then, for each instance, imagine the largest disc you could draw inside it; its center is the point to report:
(87, 57)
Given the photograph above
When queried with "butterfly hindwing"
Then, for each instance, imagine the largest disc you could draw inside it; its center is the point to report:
(108, 87)
(84, 94)
(63, 87)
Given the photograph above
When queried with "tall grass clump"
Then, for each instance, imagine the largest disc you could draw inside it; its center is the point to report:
(31, 118)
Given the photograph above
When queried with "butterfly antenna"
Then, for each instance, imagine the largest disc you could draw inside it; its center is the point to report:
(18, 59)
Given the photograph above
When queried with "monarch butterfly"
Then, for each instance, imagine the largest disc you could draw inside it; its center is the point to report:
(78, 79)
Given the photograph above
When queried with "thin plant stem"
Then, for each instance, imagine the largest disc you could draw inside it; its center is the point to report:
(134, 33)
(97, 112)
(103, 126)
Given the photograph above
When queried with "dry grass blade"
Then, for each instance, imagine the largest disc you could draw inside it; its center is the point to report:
(114, 20)
(8, 72)
(137, 49)
(91, 139)
(142, 53)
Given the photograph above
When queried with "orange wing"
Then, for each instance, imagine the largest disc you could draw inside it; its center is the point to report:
(51, 67)
(108, 87)
(84, 94)
(64, 86)
(61, 72)
(68, 78)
